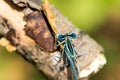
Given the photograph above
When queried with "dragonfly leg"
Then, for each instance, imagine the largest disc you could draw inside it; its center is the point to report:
(61, 56)
(61, 43)
(63, 66)
(56, 59)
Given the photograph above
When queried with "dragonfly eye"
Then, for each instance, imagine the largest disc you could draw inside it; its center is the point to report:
(73, 35)
(60, 37)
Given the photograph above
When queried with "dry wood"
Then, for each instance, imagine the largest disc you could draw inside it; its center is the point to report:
(12, 25)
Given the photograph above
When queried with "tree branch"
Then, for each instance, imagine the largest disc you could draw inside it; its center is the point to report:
(12, 28)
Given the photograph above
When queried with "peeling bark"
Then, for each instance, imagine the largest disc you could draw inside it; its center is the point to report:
(38, 29)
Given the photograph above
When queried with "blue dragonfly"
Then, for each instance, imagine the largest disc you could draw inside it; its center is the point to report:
(68, 51)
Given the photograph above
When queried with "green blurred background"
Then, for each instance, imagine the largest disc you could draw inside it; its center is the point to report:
(99, 18)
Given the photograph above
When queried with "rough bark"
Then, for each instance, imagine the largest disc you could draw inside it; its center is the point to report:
(13, 29)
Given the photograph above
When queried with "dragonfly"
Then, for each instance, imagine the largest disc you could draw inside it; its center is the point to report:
(68, 51)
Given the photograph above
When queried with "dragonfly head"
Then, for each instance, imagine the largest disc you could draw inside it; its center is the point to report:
(61, 37)
(73, 35)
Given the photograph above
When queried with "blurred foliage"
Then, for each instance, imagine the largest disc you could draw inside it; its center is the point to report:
(14, 67)
(99, 18)
(86, 14)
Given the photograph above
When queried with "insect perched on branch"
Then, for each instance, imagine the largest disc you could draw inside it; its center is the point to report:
(68, 51)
